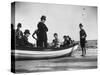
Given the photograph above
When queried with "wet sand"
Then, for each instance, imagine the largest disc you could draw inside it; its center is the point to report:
(75, 62)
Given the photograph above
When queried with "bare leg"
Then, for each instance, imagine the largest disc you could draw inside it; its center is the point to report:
(82, 51)
(85, 50)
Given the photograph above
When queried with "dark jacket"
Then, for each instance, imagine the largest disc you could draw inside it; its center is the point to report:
(66, 43)
(83, 36)
(42, 31)
(24, 42)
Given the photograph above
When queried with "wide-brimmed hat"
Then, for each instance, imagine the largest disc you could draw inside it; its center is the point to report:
(27, 31)
(43, 17)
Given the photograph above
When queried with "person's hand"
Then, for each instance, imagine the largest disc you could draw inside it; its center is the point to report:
(83, 37)
(20, 37)
(36, 39)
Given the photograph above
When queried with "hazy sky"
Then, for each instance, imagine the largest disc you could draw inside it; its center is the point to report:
(61, 19)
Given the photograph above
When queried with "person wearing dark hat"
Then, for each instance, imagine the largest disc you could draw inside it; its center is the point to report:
(42, 28)
(83, 36)
(18, 34)
(25, 42)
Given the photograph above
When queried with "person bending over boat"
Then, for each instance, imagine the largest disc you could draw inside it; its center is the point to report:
(18, 34)
(37, 39)
(24, 41)
(55, 42)
(42, 32)
(83, 36)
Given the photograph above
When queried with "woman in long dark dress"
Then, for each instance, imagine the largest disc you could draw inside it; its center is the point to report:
(83, 36)
(42, 32)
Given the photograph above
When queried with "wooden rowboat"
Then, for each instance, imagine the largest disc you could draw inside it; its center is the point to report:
(36, 53)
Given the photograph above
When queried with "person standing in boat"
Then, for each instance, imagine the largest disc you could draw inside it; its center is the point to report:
(18, 34)
(24, 42)
(83, 36)
(55, 42)
(37, 39)
(42, 28)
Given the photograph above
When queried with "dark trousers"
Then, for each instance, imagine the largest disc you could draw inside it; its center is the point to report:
(42, 43)
(45, 43)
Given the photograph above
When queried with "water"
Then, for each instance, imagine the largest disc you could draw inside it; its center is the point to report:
(75, 62)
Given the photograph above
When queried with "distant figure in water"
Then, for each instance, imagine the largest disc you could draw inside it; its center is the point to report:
(83, 36)
(55, 42)
(42, 28)
(36, 32)
(18, 34)
(24, 41)
(66, 42)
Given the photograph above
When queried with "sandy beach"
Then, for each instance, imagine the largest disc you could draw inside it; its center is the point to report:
(75, 62)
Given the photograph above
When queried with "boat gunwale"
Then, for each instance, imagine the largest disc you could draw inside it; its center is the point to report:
(44, 49)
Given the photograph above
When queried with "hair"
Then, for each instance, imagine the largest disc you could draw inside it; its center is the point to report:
(43, 17)
(19, 25)
(80, 25)
(55, 34)
(64, 36)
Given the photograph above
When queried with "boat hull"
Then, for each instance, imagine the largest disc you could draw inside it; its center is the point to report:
(26, 54)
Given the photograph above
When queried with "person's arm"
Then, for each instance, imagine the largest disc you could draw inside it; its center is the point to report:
(52, 42)
(34, 36)
(45, 28)
(85, 35)
(16, 33)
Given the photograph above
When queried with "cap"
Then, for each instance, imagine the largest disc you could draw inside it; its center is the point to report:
(27, 31)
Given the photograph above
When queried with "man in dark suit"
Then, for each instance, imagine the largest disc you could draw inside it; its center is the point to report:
(42, 36)
(83, 36)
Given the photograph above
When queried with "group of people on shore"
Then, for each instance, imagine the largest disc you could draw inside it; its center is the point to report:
(41, 39)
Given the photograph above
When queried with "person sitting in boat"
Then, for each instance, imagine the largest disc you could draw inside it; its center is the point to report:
(37, 39)
(18, 34)
(66, 42)
(24, 41)
(70, 40)
(55, 42)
